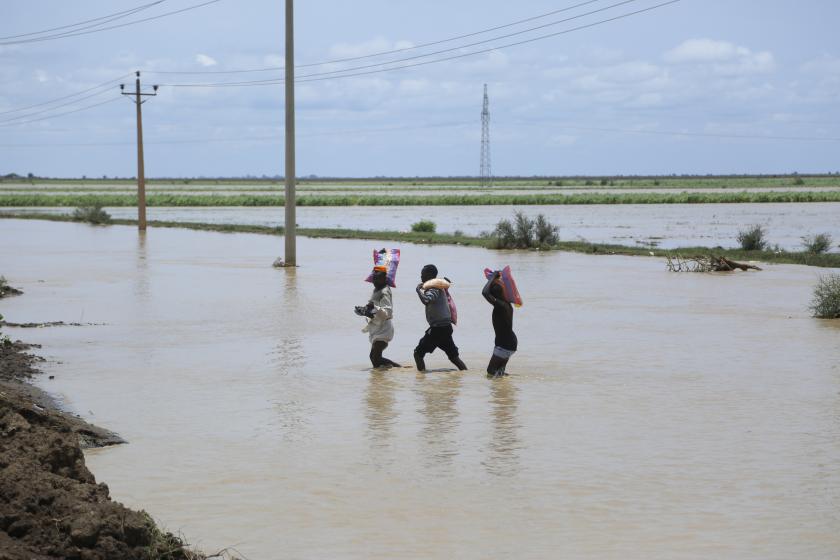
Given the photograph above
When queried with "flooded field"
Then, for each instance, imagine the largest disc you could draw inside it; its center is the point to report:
(660, 225)
(401, 191)
(648, 414)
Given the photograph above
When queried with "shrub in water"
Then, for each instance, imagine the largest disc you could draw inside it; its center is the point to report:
(545, 232)
(93, 214)
(524, 233)
(816, 244)
(426, 226)
(523, 228)
(752, 239)
(826, 302)
(504, 236)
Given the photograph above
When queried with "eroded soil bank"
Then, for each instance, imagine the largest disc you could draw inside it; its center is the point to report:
(50, 504)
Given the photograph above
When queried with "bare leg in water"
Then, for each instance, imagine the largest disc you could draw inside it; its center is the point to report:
(376, 357)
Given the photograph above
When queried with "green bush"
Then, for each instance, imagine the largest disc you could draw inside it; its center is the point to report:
(753, 239)
(524, 233)
(504, 236)
(93, 214)
(798, 181)
(425, 226)
(826, 302)
(817, 244)
(545, 232)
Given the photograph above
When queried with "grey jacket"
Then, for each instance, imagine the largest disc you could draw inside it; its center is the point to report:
(437, 306)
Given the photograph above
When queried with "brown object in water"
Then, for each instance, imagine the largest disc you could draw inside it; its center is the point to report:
(705, 263)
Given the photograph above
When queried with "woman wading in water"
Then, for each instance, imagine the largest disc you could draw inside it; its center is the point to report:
(505, 343)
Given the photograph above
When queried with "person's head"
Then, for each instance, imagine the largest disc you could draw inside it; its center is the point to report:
(429, 271)
(496, 290)
(380, 277)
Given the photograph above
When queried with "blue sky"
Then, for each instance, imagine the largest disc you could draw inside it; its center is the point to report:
(698, 86)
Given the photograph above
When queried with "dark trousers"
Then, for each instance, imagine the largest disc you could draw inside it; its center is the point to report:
(437, 337)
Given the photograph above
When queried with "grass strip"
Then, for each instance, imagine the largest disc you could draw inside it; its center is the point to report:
(184, 200)
(826, 260)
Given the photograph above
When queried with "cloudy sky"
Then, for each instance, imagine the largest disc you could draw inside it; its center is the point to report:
(695, 86)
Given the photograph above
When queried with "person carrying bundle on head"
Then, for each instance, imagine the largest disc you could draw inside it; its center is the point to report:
(379, 311)
(433, 293)
(505, 341)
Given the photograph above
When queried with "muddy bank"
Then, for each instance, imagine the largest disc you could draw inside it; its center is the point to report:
(50, 504)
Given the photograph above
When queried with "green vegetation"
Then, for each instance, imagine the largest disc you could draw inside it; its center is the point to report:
(93, 214)
(524, 233)
(826, 302)
(817, 244)
(829, 260)
(426, 226)
(124, 200)
(753, 239)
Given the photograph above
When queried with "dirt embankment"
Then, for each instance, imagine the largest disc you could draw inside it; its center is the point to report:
(50, 504)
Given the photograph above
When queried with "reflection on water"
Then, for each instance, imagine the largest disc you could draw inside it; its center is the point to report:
(503, 452)
(141, 278)
(439, 418)
(381, 415)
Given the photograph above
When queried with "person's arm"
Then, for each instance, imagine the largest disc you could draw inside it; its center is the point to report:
(427, 296)
(486, 290)
(385, 309)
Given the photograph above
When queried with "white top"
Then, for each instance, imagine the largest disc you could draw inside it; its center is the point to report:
(380, 327)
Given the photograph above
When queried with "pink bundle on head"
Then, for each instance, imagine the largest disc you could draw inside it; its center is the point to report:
(387, 260)
(508, 285)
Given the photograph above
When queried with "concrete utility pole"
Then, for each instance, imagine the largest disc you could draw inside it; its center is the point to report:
(290, 235)
(141, 168)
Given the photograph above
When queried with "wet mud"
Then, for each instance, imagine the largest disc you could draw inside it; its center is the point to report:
(50, 503)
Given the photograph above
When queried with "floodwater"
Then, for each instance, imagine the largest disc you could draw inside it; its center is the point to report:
(385, 192)
(665, 226)
(648, 415)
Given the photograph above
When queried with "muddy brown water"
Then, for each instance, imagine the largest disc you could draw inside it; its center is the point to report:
(648, 414)
(665, 226)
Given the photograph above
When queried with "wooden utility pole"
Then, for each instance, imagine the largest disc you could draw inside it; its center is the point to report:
(290, 233)
(141, 168)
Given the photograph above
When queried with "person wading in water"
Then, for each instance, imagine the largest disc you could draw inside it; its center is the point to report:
(380, 312)
(439, 316)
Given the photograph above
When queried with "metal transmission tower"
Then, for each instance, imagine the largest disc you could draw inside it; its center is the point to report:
(486, 178)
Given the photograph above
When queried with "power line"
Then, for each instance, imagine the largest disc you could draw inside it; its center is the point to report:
(415, 57)
(382, 53)
(110, 17)
(27, 115)
(79, 33)
(319, 76)
(276, 138)
(62, 114)
(102, 85)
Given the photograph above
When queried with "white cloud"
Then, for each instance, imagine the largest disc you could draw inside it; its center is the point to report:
(41, 76)
(722, 57)
(205, 60)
